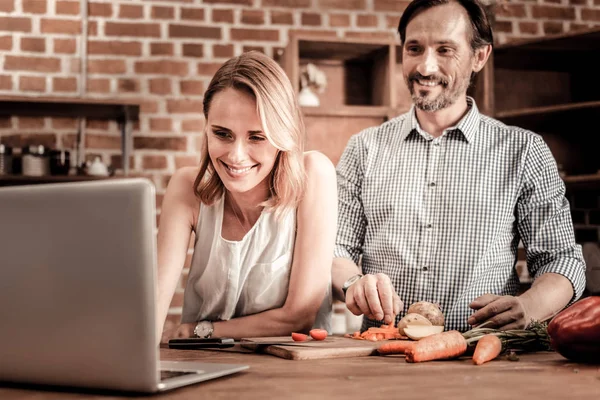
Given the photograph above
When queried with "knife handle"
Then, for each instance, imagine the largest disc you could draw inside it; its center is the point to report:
(201, 343)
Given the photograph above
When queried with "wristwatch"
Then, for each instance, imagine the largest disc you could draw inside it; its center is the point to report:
(349, 283)
(204, 329)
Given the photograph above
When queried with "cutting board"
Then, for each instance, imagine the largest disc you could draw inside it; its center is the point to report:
(331, 347)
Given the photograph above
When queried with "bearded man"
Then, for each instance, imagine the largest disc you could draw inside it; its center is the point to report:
(434, 203)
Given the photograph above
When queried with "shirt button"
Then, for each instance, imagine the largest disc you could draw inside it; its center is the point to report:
(425, 268)
(431, 184)
(429, 226)
(436, 144)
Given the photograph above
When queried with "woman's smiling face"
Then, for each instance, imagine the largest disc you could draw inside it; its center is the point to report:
(238, 148)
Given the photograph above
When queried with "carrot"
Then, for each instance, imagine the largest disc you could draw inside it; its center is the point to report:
(395, 347)
(488, 348)
(439, 346)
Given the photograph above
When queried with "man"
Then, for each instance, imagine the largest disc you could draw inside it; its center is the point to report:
(435, 201)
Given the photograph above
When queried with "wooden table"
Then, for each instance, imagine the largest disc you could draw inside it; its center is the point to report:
(534, 376)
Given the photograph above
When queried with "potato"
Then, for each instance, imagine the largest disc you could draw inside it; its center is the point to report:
(429, 310)
(418, 332)
(412, 319)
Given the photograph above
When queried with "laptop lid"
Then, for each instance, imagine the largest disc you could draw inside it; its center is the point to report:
(77, 284)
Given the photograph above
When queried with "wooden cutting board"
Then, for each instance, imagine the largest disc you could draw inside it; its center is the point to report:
(332, 347)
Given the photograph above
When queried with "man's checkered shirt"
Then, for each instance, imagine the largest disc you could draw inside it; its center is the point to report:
(443, 217)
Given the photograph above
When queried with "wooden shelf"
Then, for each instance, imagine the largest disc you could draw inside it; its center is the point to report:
(589, 181)
(348, 111)
(115, 109)
(14, 180)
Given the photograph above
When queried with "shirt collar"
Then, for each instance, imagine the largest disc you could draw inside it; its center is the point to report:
(468, 124)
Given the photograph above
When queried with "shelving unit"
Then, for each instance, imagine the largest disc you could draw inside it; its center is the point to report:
(15, 180)
(544, 85)
(125, 112)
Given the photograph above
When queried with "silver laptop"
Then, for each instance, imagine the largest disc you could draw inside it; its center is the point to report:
(77, 289)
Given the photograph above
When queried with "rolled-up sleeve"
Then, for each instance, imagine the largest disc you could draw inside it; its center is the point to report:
(351, 218)
(544, 220)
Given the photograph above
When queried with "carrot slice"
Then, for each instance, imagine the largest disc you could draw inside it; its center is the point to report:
(488, 348)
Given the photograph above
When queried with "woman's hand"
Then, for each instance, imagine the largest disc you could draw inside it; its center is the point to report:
(178, 332)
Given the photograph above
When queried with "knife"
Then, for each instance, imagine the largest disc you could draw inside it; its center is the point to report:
(222, 343)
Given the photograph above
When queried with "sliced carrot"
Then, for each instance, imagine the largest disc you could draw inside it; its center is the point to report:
(395, 347)
(488, 348)
(440, 346)
(299, 337)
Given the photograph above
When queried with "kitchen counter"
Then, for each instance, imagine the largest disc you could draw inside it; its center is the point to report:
(534, 376)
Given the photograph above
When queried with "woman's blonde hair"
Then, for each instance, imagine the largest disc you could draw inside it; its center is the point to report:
(282, 123)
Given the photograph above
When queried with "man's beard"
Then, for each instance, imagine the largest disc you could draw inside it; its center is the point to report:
(446, 98)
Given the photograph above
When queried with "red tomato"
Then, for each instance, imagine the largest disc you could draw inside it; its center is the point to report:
(299, 337)
(318, 334)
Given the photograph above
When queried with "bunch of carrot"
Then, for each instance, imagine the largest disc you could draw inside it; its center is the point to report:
(375, 334)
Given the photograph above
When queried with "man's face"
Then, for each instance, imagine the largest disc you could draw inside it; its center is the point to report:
(437, 59)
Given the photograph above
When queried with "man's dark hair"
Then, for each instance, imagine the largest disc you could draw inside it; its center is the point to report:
(481, 32)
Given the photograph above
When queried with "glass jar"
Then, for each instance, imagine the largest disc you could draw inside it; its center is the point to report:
(5, 159)
(60, 162)
(35, 160)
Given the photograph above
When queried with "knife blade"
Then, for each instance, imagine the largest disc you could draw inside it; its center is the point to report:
(221, 343)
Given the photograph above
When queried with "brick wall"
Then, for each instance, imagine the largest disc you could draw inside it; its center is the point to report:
(165, 52)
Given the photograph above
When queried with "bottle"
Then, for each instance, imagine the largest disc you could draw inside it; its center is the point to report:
(35, 161)
(60, 162)
(5, 160)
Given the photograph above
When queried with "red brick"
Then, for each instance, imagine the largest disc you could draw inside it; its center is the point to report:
(28, 139)
(578, 2)
(368, 35)
(5, 82)
(282, 18)
(343, 4)
(131, 11)
(102, 66)
(160, 86)
(67, 7)
(161, 67)
(115, 47)
(161, 124)
(192, 31)
(503, 26)
(137, 29)
(192, 125)
(310, 19)
(223, 50)
(161, 49)
(551, 27)
(116, 161)
(392, 21)
(98, 85)
(40, 64)
(196, 14)
(590, 14)
(191, 87)
(550, 12)
(149, 107)
(15, 24)
(97, 124)
(238, 2)
(6, 42)
(92, 28)
(193, 50)
(34, 6)
(7, 6)
(159, 12)
(366, 20)
(31, 122)
(390, 5)
(64, 123)
(222, 16)
(98, 141)
(511, 10)
(32, 83)
(578, 27)
(33, 44)
(253, 17)
(66, 26)
(208, 69)
(317, 33)
(339, 20)
(253, 48)
(154, 162)
(186, 161)
(552, 1)
(160, 143)
(65, 46)
(267, 35)
(530, 28)
(128, 85)
(184, 106)
(99, 9)
(64, 85)
(286, 3)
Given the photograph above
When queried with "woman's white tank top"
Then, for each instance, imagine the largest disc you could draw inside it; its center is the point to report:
(229, 279)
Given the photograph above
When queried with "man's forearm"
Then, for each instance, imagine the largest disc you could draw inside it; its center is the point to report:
(341, 270)
(548, 295)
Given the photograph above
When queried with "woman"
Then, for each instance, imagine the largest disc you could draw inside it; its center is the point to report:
(263, 212)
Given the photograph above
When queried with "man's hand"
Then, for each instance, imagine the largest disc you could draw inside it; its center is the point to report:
(502, 312)
(178, 332)
(375, 297)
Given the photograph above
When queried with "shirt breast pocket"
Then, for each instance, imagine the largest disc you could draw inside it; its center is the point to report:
(267, 285)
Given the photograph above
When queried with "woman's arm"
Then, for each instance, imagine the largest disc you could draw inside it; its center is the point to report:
(178, 213)
(311, 265)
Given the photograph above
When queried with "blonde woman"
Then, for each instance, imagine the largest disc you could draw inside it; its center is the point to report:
(263, 212)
